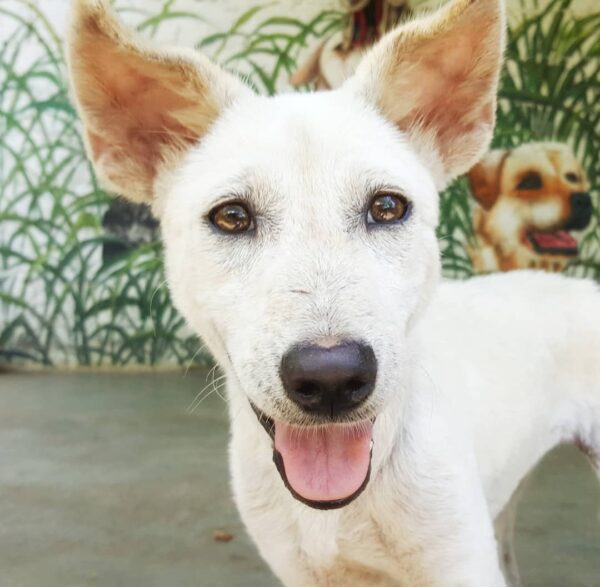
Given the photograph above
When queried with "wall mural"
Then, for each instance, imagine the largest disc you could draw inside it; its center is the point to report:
(534, 203)
(81, 277)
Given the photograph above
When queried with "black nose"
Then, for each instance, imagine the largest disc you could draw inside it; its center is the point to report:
(329, 381)
(581, 211)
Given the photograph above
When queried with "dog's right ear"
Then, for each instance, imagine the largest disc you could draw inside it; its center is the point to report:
(485, 177)
(142, 108)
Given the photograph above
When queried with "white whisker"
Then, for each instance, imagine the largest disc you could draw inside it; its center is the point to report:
(206, 391)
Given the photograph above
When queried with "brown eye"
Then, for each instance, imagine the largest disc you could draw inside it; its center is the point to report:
(233, 218)
(388, 209)
(572, 177)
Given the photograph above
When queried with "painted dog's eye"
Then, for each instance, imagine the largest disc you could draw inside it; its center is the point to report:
(388, 208)
(531, 181)
(572, 177)
(232, 218)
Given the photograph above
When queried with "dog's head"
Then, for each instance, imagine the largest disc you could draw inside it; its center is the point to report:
(299, 230)
(533, 196)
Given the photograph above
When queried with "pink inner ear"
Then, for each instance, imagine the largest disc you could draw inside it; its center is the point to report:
(138, 102)
(454, 91)
(139, 109)
(440, 81)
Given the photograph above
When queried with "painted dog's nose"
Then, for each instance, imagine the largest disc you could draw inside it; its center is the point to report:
(581, 211)
(329, 381)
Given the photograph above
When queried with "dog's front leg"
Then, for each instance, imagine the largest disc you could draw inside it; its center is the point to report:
(505, 534)
(267, 510)
(431, 499)
(422, 521)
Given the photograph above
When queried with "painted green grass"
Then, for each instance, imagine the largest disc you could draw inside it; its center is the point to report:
(550, 90)
(276, 40)
(60, 304)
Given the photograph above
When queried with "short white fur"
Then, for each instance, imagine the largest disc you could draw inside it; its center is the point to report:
(477, 380)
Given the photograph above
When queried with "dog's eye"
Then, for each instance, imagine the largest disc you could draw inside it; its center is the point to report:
(572, 177)
(232, 218)
(388, 209)
(531, 181)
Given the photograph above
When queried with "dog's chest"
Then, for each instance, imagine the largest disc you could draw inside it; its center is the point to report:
(359, 549)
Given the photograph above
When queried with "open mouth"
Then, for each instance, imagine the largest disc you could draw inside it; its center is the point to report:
(325, 467)
(559, 242)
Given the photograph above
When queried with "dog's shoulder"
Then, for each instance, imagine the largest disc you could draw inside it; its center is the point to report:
(504, 308)
(516, 286)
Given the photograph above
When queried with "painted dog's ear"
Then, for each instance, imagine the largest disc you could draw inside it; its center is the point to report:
(142, 107)
(436, 78)
(485, 178)
(309, 70)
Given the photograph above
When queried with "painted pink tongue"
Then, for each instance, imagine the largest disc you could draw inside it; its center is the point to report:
(328, 463)
(560, 239)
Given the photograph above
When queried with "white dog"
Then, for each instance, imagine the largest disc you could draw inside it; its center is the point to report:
(401, 413)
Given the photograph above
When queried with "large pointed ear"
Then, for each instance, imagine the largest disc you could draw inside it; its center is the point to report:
(142, 108)
(485, 178)
(436, 78)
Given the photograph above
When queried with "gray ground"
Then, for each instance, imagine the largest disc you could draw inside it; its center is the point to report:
(107, 480)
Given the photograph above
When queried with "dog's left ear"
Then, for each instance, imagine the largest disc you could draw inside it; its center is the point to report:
(485, 178)
(436, 78)
(142, 107)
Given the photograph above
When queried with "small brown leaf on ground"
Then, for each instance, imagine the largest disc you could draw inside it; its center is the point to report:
(222, 536)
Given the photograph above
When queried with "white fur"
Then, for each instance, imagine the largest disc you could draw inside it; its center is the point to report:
(476, 380)
(471, 394)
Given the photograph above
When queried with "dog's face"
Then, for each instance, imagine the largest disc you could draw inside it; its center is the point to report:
(292, 298)
(299, 230)
(302, 268)
(532, 197)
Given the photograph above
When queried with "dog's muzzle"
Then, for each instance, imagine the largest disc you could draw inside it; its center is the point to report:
(560, 242)
(581, 211)
(326, 465)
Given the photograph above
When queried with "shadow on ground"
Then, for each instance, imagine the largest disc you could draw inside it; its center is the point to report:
(108, 480)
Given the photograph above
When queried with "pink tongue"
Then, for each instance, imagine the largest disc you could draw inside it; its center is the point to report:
(560, 239)
(328, 463)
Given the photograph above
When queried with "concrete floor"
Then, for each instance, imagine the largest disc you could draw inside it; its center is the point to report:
(105, 479)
